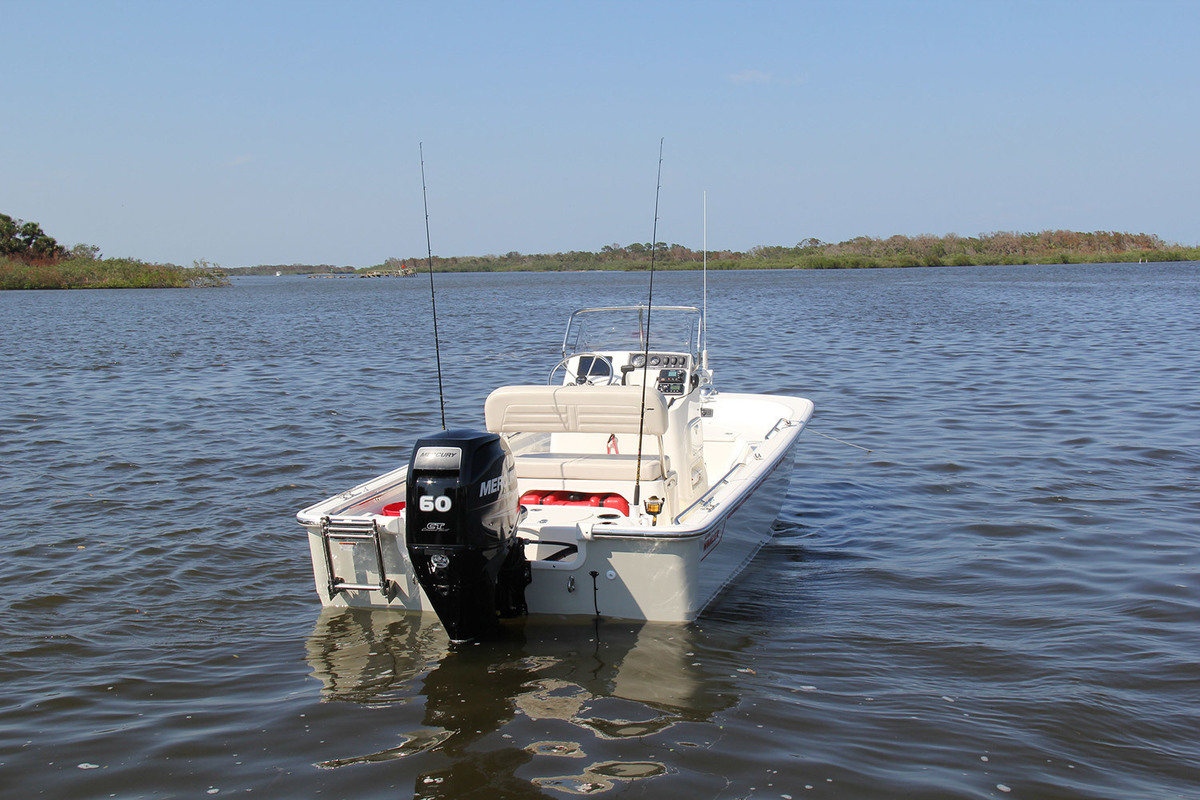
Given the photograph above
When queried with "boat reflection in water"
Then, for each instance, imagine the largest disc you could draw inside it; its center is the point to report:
(552, 704)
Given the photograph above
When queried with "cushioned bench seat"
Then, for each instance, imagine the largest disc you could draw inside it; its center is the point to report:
(592, 410)
(576, 409)
(572, 466)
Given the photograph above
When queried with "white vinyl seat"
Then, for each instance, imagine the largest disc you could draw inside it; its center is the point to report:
(575, 409)
(602, 410)
(558, 466)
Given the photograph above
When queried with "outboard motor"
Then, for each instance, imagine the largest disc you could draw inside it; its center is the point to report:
(462, 515)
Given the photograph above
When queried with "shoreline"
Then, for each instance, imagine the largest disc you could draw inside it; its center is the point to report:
(124, 273)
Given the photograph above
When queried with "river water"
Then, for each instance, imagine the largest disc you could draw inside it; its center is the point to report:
(1000, 599)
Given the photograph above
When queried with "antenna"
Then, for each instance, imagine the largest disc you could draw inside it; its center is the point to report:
(437, 350)
(704, 333)
(637, 478)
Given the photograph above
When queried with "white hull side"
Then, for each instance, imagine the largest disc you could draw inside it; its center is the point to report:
(748, 527)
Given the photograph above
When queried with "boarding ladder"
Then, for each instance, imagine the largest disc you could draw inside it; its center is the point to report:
(354, 529)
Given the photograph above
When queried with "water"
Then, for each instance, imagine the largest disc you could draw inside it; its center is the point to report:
(1000, 599)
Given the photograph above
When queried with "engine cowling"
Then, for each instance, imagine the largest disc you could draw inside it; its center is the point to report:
(460, 530)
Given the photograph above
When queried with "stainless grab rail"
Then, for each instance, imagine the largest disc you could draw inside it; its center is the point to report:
(707, 496)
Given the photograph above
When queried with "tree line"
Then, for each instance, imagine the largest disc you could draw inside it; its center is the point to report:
(27, 241)
(926, 250)
(1002, 247)
(30, 259)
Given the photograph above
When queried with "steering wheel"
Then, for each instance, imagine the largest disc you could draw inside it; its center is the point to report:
(589, 378)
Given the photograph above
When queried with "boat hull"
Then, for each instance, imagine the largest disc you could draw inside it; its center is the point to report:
(666, 573)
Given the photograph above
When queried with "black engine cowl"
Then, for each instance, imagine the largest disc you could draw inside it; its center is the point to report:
(461, 522)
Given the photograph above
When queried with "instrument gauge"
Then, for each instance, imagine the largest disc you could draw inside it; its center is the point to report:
(639, 360)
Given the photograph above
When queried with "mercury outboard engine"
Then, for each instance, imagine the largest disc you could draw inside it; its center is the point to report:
(462, 515)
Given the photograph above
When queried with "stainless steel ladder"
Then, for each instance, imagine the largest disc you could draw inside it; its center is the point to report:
(352, 529)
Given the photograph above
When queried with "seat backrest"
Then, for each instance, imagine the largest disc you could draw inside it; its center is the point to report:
(575, 409)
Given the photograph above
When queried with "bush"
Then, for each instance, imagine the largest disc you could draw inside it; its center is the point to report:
(110, 273)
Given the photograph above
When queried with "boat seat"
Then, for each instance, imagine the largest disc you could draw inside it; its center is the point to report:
(581, 409)
(586, 466)
(575, 409)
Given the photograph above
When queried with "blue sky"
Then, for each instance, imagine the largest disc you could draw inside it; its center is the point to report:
(287, 132)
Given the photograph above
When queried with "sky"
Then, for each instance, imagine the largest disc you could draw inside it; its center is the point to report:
(264, 132)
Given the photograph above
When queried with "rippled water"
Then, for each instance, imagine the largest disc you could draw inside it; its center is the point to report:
(1000, 599)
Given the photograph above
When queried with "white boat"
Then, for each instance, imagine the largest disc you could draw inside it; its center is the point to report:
(627, 486)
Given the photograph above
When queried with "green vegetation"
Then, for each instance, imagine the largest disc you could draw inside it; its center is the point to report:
(1047, 247)
(106, 273)
(26, 241)
(29, 259)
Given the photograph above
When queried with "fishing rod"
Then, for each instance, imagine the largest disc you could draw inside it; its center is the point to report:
(637, 478)
(437, 350)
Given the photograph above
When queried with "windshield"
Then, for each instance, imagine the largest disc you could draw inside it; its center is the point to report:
(673, 329)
